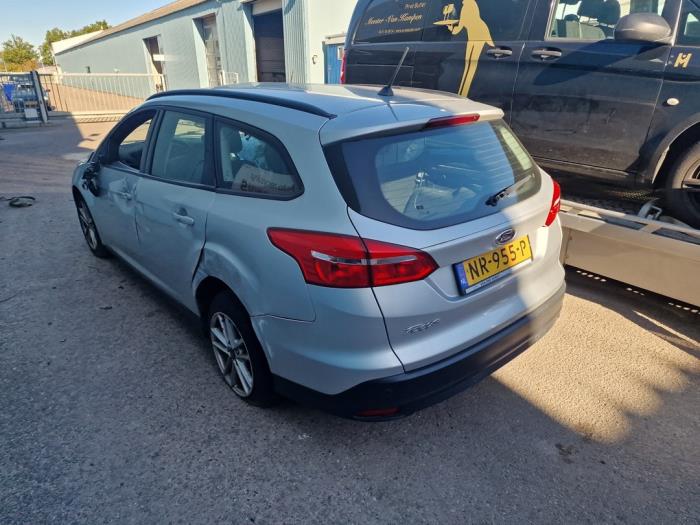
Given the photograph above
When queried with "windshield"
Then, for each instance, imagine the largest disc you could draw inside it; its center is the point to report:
(434, 178)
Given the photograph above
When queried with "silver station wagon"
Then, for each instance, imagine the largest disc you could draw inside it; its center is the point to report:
(368, 254)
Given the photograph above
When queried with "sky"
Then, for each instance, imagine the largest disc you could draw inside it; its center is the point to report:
(31, 18)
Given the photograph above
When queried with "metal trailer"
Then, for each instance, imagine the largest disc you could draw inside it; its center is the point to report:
(654, 255)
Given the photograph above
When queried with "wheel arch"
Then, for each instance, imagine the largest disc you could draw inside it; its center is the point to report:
(671, 152)
(208, 288)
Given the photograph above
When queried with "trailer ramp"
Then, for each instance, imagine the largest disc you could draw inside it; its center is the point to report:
(651, 254)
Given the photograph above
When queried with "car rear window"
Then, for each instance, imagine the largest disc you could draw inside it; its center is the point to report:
(436, 177)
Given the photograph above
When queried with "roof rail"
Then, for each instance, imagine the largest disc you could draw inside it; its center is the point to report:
(251, 95)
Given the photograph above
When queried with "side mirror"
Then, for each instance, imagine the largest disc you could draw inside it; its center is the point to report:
(643, 27)
(90, 172)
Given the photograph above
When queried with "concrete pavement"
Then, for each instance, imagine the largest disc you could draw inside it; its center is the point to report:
(111, 409)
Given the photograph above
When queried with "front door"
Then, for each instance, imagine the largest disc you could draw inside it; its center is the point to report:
(172, 202)
(583, 99)
(334, 60)
(121, 161)
(472, 48)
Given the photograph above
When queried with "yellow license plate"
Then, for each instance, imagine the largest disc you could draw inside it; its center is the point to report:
(486, 267)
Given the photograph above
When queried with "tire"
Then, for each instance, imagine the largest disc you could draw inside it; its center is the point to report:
(237, 351)
(684, 204)
(87, 224)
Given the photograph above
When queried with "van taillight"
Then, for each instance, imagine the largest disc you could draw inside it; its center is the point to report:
(556, 204)
(345, 261)
(343, 65)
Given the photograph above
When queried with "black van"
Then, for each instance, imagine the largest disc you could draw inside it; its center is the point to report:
(603, 88)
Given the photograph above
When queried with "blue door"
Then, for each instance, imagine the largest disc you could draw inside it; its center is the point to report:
(334, 59)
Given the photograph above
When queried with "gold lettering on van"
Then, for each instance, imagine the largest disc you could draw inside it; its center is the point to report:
(478, 36)
(408, 21)
(683, 60)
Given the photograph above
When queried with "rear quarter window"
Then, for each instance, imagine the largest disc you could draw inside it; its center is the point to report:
(434, 178)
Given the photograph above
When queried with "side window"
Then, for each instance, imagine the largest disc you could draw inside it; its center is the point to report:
(180, 151)
(485, 20)
(392, 21)
(595, 19)
(689, 32)
(128, 142)
(252, 163)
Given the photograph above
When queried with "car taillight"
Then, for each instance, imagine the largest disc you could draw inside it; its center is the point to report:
(345, 261)
(343, 65)
(556, 205)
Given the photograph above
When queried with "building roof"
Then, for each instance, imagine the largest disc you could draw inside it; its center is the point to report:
(168, 9)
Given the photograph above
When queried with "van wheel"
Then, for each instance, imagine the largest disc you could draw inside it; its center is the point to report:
(238, 352)
(683, 187)
(87, 224)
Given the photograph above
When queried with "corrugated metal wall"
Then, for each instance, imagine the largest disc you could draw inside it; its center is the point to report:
(296, 46)
(180, 42)
(306, 24)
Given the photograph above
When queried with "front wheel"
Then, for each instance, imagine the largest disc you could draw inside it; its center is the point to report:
(87, 224)
(238, 352)
(683, 187)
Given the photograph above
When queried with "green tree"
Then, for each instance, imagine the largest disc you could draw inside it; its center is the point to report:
(56, 34)
(18, 54)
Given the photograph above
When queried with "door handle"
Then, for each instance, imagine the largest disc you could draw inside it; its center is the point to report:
(124, 195)
(500, 52)
(544, 54)
(183, 219)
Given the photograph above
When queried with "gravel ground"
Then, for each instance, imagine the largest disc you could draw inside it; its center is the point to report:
(111, 409)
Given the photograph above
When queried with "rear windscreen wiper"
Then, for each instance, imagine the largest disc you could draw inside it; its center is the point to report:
(507, 191)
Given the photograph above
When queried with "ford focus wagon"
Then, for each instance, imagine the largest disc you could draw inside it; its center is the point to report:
(365, 254)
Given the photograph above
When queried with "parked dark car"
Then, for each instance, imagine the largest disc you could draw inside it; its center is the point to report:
(602, 88)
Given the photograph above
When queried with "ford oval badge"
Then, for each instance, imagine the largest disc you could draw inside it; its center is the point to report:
(505, 236)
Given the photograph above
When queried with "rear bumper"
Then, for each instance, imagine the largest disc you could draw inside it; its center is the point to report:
(431, 384)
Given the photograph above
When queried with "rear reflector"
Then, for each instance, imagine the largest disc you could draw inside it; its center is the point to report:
(343, 65)
(378, 412)
(345, 261)
(457, 120)
(556, 205)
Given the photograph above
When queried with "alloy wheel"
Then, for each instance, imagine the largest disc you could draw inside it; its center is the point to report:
(231, 354)
(87, 224)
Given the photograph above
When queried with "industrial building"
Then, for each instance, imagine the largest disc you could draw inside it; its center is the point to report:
(204, 43)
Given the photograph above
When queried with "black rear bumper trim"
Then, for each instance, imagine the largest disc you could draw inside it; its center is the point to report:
(431, 384)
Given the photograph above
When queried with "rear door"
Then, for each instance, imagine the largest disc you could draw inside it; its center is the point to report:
(472, 48)
(173, 199)
(582, 98)
(435, 191)
(122, 157)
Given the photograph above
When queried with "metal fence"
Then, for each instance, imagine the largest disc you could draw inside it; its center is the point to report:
(99, 93)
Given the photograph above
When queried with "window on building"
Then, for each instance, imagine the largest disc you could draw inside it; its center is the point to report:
(595, 19)
(180, 150)
(155, 61)
(254, 164)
